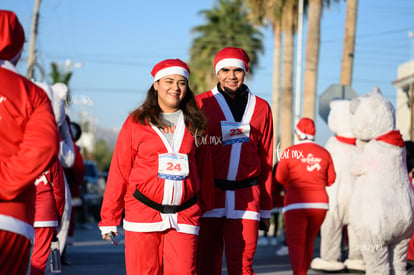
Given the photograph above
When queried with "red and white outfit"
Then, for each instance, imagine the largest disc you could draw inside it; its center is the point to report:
(135, 165)
(29, 139)
(237, 212)
(305, 169)
(49, 205)
(164, 185)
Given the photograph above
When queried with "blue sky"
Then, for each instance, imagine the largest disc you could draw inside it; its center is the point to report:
(118, 42)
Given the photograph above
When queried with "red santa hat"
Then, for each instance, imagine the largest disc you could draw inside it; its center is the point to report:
(231, 57)
(306, 128)
(168, 67)
(12, 35)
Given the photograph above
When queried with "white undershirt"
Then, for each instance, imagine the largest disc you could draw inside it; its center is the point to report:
(172, 119)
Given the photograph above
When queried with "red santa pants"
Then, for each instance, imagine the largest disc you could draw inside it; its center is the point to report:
(41, 249)
(239, 238)
(167, 252)
(14, 253)
(302, 226)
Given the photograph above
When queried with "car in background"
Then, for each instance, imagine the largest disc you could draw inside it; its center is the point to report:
(93, 189)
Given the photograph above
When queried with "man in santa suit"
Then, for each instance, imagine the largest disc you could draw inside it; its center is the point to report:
(29, 139)
(305, 169)
(240, 133)
(160, 177)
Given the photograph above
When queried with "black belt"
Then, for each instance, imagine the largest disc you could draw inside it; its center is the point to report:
(164, 208)
(236, 184)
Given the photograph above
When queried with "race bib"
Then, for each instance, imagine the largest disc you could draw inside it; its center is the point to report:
(173, 166)
(235, 132)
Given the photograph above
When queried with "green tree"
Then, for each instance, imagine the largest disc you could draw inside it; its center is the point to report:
(227, 26)
(103, 155)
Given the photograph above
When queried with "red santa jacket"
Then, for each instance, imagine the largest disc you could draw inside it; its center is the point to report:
(50, 197)
(29, 139)
(237, 163)
(135, 166)
(305, 170)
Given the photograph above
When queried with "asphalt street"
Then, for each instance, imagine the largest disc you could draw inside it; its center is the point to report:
(92, 255)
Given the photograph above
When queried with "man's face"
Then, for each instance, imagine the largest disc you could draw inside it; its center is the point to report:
(231, 78)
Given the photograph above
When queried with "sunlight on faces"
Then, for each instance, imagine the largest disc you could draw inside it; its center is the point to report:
(231, 78)
(171, 90)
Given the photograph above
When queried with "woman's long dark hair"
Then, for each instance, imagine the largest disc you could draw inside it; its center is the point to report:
(150, 112)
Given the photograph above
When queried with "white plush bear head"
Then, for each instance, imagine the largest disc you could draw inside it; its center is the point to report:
(372, 115)
(339, 118)
(56, 94)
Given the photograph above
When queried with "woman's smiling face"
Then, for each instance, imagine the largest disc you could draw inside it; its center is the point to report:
(171, 90)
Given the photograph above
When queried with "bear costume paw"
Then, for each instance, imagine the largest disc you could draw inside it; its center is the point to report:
(355, 265)
(323, 265)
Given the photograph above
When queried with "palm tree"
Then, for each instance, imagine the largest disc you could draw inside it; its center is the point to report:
(282, 15)
(227, 25)
(315, 9)
(312, 57)
(349, 42)
(288, 26)
(269, 12)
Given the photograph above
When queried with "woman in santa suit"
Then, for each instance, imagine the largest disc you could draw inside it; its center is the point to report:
(305, 169)
(160, 177)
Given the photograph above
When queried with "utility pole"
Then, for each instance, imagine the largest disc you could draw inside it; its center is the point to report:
(31, 61)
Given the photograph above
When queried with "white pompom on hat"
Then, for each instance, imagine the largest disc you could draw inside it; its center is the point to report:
(57, 94)
(169, 67)
(231, 57)
(306, 128)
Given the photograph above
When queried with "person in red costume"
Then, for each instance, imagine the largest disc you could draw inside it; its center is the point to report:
(240, 129)
(160, 177)
(305, 169)
(30, 144)
(49, 204)
(50, 198)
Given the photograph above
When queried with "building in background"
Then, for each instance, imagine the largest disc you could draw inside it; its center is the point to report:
(405, 100)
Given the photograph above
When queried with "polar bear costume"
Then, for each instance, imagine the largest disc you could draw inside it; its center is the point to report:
(342, 147)
(382, 205)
